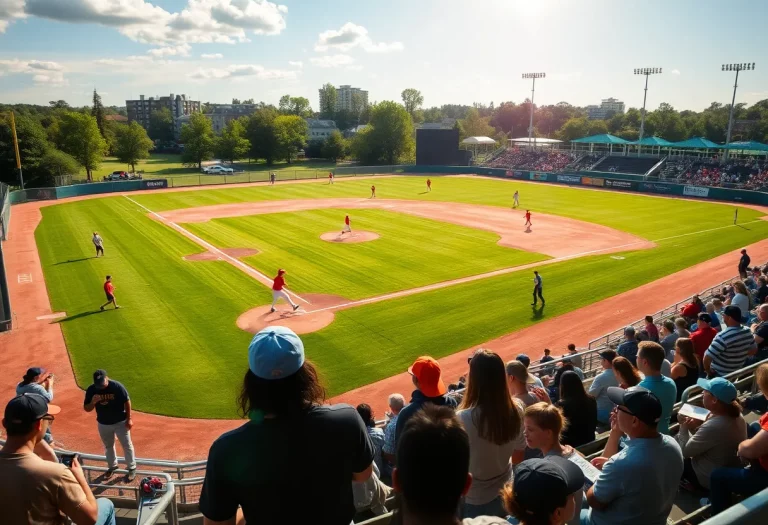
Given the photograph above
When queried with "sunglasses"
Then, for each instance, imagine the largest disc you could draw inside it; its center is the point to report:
(49, 418)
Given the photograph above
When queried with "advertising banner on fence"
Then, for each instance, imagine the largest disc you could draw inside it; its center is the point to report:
(696, 191)
(538, 176)
(569, 179)
(620, 184)
(656, 187)
(154, 184)
(592, 181)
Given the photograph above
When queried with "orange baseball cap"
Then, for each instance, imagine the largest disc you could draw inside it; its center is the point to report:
(427, 371)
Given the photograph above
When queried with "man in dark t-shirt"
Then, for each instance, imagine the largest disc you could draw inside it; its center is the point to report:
(113, 414)
(293, 450)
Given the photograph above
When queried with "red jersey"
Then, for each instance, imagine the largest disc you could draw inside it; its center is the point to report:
(330, 175)
(429, 182)
(528, 216)
(764, 426)
(690, 310)
(701, 339)
(278, 283)
(109, 288)
(346, 220)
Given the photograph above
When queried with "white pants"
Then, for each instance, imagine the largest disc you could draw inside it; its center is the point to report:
(517, 201)
(277, 294)
(107, 434)
(346, 229)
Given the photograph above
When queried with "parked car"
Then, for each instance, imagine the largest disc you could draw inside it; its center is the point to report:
(217, 170)
(117, 175)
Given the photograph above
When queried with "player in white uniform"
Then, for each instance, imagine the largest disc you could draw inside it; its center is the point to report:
(98, 242)
(516, 198)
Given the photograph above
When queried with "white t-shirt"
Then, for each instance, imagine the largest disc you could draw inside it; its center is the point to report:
(489, 464)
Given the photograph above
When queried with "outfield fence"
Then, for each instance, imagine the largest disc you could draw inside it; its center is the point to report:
(5, 224)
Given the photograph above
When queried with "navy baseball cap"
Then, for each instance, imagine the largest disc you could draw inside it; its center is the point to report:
(540, 484)
(524, 359)
(99, 376)
(641, 402)
(34, 372)
(28, 408)
(704, 316)
(275, 352)
(719, 387)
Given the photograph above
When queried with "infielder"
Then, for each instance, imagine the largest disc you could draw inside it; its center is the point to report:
(271, 177)
(516, 198)
(429, 184)
(277, 291)
(373, 191)
(347, 227)
(330, 177)
(109, 290)
(537, 288)
(528, 218)
(98, 242)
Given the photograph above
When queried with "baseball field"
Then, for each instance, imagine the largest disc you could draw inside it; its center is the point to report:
(445, 270)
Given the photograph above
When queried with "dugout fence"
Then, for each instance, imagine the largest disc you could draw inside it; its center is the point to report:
(5, 223)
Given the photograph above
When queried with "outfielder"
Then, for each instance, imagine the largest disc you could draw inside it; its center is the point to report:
(537, 288)
(373, 192)
(109, 291)
(330, 177)
(516, 198)
(347, 227)
(528, 218)
(277, 291)
(429, 184)
(99, 243)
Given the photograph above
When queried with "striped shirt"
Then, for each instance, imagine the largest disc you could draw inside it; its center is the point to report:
(729, 349)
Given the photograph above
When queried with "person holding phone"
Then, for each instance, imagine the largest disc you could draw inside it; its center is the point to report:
(38, 381)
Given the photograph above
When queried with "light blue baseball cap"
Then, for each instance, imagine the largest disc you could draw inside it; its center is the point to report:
(275, 352)
(721, 388)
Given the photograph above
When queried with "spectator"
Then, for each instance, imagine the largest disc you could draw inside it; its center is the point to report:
(544, 425)
(628, 349)
(653, 332)
(520, 382)
(637, 485)
(685, 371)
(692, 309)
(714, 318)
(760, 333)
(669, 335)
(741, 300)
(762, 291)
(731, 347)
(749, 481)
(626, 374)
(681, 326)
(425, 374)
(113, 416)
(580, 410)
(744, 264)
(290, 442)
(554, 386)
(432, 471)
(396, 404)
(544, 491)
(575, 359)
(713, 443)
(703, 336)
(36, 491)
(527, 362)
(649, 360)
(494, 424)
(547, 359)
(599, 387)
(376, 434)
(38, 381)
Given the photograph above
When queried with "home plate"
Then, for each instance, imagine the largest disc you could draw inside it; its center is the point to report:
(617, 257)
(57, 315)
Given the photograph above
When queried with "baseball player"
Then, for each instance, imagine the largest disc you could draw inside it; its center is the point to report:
(330, 177)
(516, 198)
(347, 228)
(277, 291)
(271, 177)
(373, 191)
(98, 242)
(528, 218)
(429, 184)
(537, 288)
(109, 289)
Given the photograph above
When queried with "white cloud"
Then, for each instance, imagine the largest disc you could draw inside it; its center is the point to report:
(212, 56)
(332, 60)
(350, 36)
(354, 68)
(675, 71)
(10, 10)
(297, 63)
(42, 72)
(236, 71)
(179, 50)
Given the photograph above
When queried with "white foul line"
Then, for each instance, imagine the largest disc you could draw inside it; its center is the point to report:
(232, 260)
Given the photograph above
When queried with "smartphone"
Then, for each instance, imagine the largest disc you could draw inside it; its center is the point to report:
(66, 459)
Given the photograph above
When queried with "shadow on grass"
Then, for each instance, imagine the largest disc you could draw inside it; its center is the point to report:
(538, 313)
(82, 314)
(743, 227)
(74, 260)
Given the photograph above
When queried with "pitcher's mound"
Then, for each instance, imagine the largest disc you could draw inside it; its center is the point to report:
(215, 256)
(355, 236)
(303, 321)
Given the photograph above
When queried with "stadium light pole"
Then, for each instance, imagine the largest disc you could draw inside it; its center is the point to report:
(647, 71)
(533, 77)
(734, 67)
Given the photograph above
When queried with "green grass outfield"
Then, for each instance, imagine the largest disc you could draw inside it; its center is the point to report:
(175, 344)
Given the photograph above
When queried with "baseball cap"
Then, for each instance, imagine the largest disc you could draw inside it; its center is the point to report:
(743, 250)
(524, 359)
(539, 484)
(99, 376)
(608, 355)
(641, 402)
(518, 370)
(28, 408)
(719, 387)
(275, 352)
(629, 330)
(704, 316)
(427, 371)
(34, 372)
(733, 312)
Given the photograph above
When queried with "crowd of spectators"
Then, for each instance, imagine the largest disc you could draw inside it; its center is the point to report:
(536, 160)
(748, 173)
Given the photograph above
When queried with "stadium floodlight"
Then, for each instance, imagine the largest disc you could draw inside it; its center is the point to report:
(647, 71)
(745, 66)
(533, 77)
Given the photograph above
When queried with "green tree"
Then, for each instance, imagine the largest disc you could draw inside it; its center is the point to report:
(666, 122)
(597, 127)
(574, 128)
(232, 144)
(260, 131)
(473, 125)
(161, 126)
(291, 135)
(57, 163)
(80, 137)
(328, 97)
(33, 145)
(236, 101)
(198, 140)
(433, 115)
(132, 144)
(388, 139)
(412, 100)
(97, 112)
(335, 146)
(298, 106)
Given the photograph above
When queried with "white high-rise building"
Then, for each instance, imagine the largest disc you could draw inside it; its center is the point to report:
(607, 106)
(344, 97)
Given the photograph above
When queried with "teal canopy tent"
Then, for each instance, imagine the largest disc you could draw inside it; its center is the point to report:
(749, 145)
(652, 141)
(695, 143)
(605, 138)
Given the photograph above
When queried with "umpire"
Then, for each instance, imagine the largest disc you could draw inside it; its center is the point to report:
(537, 289)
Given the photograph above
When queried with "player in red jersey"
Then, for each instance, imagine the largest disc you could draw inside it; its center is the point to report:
(373, 191)
(528, 218)
(109, 289)
(277, 291)
(330, 177)
(347, 227)
(429, 184)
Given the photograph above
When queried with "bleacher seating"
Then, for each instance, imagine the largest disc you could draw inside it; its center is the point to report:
(634, 165)
(747, 173)
(585, 162)
(524, 159)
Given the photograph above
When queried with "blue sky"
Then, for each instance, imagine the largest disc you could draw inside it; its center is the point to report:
(453, 51)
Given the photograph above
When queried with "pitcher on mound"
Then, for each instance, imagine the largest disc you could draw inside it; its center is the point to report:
(277, 291)
(347, 227)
